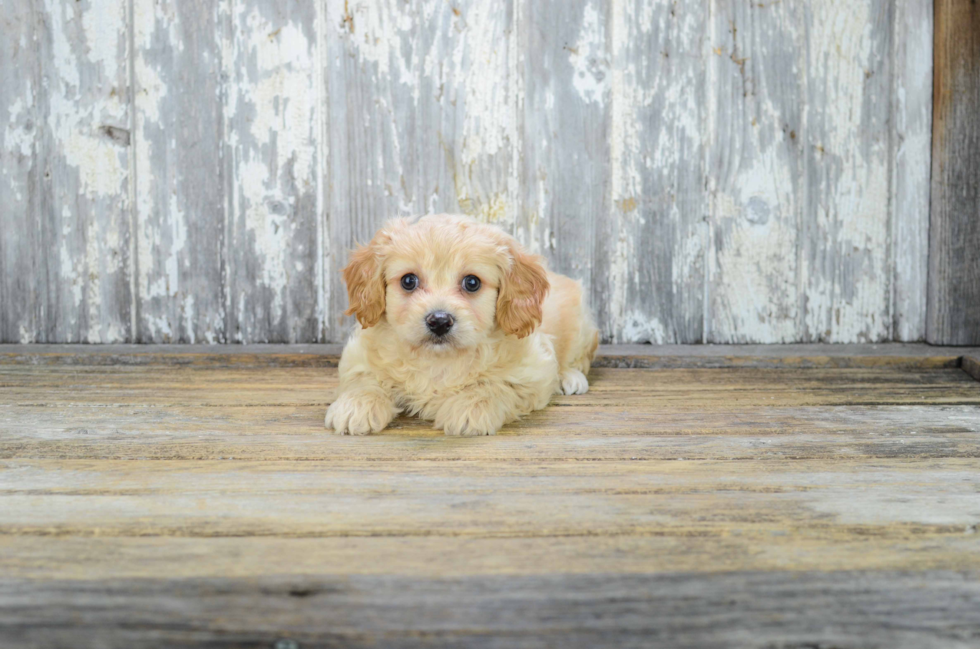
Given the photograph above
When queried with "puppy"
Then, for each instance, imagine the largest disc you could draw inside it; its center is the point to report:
(459, 325)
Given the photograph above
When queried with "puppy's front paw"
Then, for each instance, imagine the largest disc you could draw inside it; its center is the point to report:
(360, 413)
(574, 382)
(464, 416)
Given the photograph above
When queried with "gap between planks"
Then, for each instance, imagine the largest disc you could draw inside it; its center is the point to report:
(895, 355)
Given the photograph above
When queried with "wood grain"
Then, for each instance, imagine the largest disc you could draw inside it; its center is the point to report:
(180, 184)
(84, 198)
(756, 173)
(20, 174)
(372, 78)
(711, 172)
(971, 365)
(565, 117)
(157, 559)
(896, 355)
(468, 97)
(648, 284)
(751, 609)
(489, 499)
(272, 136)
(198, 502)
(844, 239)
(910, 151)
(954, 235)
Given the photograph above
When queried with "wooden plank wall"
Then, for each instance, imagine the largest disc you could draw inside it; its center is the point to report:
(954, 254)
(713, 171)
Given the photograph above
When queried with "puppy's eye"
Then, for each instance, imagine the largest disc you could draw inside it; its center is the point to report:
(471, 283)
(410, 282)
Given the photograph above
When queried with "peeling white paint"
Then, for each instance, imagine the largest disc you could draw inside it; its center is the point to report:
(27, 335)
(462, 72)
(103, 23)
(488, 115)
(273, 94)
(63, 57)
(282, 102)
(756, 296)
(850, 303)
(17, 139)
(912, 110)
(626, 181)
(73, 278)
(99, 162)
(88, 170)
(267, 228)
(589, 58)
(161, 229)
(150, 90)
(655, 141)
(643, 328)
(375, 29)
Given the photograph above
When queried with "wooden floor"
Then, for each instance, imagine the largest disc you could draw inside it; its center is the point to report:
(779, 498)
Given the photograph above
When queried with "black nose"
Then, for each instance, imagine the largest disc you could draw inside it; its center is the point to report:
(439, 322)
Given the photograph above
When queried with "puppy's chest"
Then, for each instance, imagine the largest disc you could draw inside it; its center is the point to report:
(421, 385)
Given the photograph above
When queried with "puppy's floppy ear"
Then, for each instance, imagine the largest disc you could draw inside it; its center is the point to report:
(521, 293)
(365, 280)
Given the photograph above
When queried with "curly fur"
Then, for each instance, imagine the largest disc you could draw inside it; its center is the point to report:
(524, 336)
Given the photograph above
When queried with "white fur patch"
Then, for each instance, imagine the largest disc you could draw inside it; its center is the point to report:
(574, 382)
(359, 413)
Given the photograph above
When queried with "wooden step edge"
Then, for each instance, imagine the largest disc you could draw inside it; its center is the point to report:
(886, 355)
(971, 365)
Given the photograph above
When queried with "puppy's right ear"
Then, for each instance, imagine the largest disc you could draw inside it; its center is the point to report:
(365, 285)
(522, 293)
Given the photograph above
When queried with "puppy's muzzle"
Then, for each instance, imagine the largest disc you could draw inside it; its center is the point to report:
(439, 322)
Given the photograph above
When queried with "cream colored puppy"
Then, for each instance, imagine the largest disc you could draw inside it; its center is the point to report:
(456, 324)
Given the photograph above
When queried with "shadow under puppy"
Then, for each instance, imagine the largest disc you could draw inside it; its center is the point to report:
(459, 325)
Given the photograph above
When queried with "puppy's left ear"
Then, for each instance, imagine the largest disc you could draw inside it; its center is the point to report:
(522, 293)
(365, 284)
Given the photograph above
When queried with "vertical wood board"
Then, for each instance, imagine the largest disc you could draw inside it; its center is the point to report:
(270, 61)
(372, 84)
(179, 185)
(565, 130)
(954, 235)
(20, 170)
(755, 172)
(83, 145)
(911, 144)
(711, 171)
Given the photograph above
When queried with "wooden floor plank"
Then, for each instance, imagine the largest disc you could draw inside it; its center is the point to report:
(97, 558)
(841, 499)
(749, 609)
(699, 389)
(753, 498)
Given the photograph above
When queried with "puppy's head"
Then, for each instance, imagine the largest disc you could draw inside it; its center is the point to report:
(445, 282)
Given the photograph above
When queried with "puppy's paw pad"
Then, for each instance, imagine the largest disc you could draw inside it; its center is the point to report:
(574, 382)
(359, 414)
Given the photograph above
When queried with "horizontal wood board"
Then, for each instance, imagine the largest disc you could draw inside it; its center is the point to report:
(194, 500)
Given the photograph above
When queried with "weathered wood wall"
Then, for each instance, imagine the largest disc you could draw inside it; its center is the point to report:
(954, 255)
(720, 171)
